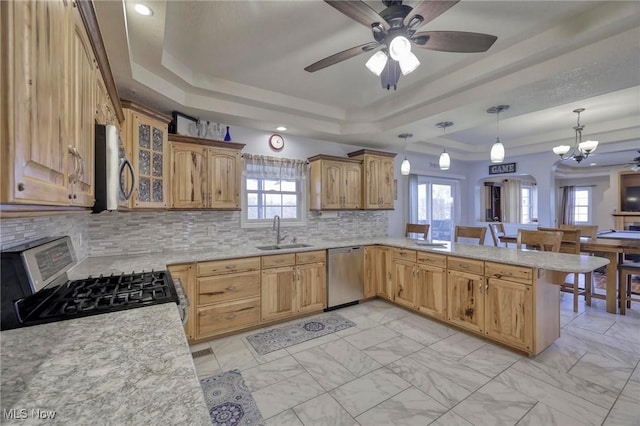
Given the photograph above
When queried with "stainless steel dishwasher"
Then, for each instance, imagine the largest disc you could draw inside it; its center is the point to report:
(346, 276)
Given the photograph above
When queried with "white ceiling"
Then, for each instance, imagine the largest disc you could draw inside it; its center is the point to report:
(242, 63)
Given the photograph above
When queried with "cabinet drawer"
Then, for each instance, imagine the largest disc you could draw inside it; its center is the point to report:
(432, 259)
(223, 288)
(278, 260)
(311, 256)
(509, 272)
(223, 317)
(228, 265)
(465, 265)
(409, 255)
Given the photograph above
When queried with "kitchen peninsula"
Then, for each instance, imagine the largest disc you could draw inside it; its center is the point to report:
(135, 365)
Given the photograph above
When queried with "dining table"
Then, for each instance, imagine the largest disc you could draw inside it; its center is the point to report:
(606, 246)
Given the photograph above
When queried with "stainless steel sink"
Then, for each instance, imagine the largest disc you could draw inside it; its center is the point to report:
(282, 246)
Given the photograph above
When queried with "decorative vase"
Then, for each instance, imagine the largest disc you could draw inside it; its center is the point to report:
(227, 136)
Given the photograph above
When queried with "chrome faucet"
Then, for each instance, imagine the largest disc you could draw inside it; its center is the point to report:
(276, 227)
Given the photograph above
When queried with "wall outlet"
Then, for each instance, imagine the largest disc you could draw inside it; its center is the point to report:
(211, 230)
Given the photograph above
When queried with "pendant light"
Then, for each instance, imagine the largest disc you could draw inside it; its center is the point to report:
(405, 167)
(445, 161)
(497, 150)
(581, 150)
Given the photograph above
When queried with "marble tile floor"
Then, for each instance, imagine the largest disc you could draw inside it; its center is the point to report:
(399, 368)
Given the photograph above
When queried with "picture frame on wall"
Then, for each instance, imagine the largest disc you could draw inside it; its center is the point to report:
(182, 124)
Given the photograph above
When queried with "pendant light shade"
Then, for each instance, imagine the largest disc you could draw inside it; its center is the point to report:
(405, 167)
(445, 161)
(581, 150)
(497, 150)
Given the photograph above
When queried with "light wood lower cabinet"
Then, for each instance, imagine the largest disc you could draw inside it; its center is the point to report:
(431, 291)
(370, 273)
(293, 289)
(186, 274)
(404, 279)
(465, 300)
(378, 272)
(508, 313)
(229, 316)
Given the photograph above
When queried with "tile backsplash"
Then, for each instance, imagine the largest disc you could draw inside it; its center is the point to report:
(119, 233)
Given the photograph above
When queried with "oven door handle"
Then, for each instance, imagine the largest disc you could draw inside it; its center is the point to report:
(126, 195)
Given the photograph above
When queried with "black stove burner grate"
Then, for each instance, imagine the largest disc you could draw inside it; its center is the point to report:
(98, 295)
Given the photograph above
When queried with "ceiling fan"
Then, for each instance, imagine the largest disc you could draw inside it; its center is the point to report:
(394, 29)
(635, 165)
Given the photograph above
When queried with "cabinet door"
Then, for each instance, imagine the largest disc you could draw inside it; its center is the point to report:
(508, 312)
(465, 300)
(186, 275)
(371, 184)
(404, 274)
(384, 273)
(150, 158)
(35, 31)
(278, 293)
(351, 185)
(371, 271)
(311, 293)
(225, 317)
(385, 183)
(82, 77)
(187, 175)
(223, 178)
(431, 291)
(331, 185)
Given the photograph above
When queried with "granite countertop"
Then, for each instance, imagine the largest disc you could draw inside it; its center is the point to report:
(127, 367)
(159, 260)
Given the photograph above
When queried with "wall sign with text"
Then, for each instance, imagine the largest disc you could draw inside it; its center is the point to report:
(497, 169)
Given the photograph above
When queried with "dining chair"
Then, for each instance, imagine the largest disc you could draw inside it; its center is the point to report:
(540, 240)
(625, 272)
(497, 230)
(571, 244)
(417, 228)
(471, 232)
(589, 231)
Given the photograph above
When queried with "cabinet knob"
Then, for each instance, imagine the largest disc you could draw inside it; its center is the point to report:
(21, 187)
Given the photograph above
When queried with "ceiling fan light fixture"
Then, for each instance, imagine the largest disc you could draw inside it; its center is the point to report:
(399, 47)
(377, 62)
(497, 152)
(445, 161)
(408, 63)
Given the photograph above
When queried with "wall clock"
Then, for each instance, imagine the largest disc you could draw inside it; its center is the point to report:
(276, 142)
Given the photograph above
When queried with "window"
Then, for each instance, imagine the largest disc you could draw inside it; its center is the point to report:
(433, 201)
(273, 186)
(582, 202)
(528, 210)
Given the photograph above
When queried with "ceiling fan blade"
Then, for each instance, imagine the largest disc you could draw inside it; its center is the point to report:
(341, 56)
(359, 12)
(454, 41)
(428, 10)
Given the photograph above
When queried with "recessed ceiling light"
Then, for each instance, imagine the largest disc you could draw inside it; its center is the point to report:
(143, 9)
(281, 128)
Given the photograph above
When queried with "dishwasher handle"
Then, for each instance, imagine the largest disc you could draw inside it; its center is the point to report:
(345, 249)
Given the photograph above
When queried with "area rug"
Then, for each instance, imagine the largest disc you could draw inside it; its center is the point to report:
(298, 332)
(601, 282)
(229, 400)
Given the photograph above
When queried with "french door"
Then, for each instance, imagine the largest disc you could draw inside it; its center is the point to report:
(433, 201)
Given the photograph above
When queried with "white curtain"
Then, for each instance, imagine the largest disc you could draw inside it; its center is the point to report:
(413, 199)
(262, 166)
(510, 201)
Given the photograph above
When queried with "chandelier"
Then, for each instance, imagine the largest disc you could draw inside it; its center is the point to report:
(581, 150)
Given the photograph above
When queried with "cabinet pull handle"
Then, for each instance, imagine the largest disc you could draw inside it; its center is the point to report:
(21, 187)
(463, 265)
(231, 287)
(230, 266)
(230, 316)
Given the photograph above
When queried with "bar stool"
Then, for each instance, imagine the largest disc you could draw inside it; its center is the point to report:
(497, 230)
(625, 271)
(417, 228)
(471, 232)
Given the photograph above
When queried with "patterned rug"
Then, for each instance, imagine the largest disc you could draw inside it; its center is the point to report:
(229, 400)
(298, 332)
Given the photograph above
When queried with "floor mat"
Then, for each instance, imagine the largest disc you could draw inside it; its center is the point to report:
(298, 332)
(229, 400)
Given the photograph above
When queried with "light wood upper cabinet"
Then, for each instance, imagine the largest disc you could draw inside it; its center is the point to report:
(205, 173)
(335, 183)
(508, 313)
(150, 155)
(377, 178)
(465, 300)
(223, 178)
(188, 186)
(34, 72)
